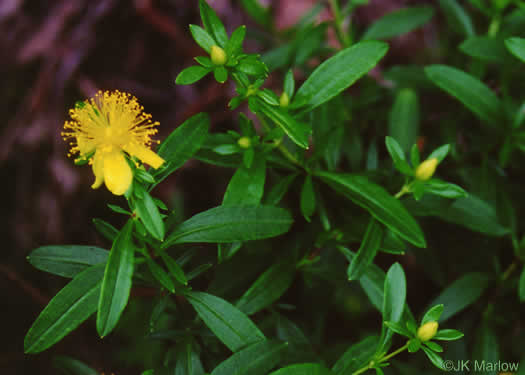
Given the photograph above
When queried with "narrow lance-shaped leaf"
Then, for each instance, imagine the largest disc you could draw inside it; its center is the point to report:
(226, 224)
(247, 184)
(461, 294)
(268, 287)
(66, 311)
(470, 91)
(182, 144)
(516, 46)
(393, 302)
(149, 214)
(297, 131)
(378, 202)
(303, 369)
(67, 260)
(116, 285)
(339, 72)
(367, 251)
(404, 119)
(256, 359)
(399, 22)
(228, 323)
(212, 23)
(356, 356)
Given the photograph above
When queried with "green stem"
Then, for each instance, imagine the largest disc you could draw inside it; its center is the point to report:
(385, 358)
(405, 189)
(510, 269)
(338, 23)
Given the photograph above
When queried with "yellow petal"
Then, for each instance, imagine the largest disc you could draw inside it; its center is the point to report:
(117, 173)
(98, 170)
(144, 154)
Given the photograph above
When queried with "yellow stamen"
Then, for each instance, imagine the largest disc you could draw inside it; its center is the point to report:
(108, 124)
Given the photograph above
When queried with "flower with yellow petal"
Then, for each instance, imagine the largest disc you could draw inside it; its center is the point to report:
(107, 126)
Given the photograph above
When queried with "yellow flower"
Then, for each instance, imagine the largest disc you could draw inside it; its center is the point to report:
(105, 127)
(426, 169)
(427, 331)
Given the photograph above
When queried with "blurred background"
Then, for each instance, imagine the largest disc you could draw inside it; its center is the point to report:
(57, 52)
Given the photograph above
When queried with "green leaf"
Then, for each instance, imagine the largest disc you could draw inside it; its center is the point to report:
(202, 37)
(457, 17)
(486, 345)
(260, 14)
(213, 24)
(470, 91)
(66, 311)
(234, 45)
(378, 202)
(433, 314)
(252, 66)
(107, 230)
(367, 251)
(72, 366)
(398, 156)
(356, 356)
(414, 345)
(440, 153)
(276, 194)
(434, 346)
(149, 214)
(394, 297)
(404, 119)
(256, 359)
(398, 328)
(182, 144)
(434, 358)
(229, 324)
(247, 184)
(161, 275)
(461, 294)
(516, 46)
(116, 285)
(297, 131)
(444, 189)
(225, 224)
(339, 72)
(174, 268)
(448, 335)
(221, 74)
(308, 198)
(521, 288)
(289, 84)
(188, 361)
(470, 212)
(191, 75)
(485, 49)
(66, 260)
(399, 22)
(268, 287)
(303, 369)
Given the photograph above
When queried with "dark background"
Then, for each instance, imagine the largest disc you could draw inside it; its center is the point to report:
(54, 53)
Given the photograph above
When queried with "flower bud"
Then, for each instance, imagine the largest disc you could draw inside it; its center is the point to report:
(244, 142)
(426, 169)
(427, 331)
(218, 56)
(284, 100)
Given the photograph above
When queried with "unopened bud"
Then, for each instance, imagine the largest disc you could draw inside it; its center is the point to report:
(244, 142)
(426, 169)
(218, 56)
(284, 100)
(427, 331)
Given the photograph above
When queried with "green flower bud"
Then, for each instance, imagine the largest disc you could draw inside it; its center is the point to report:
(284, 100)
(427, 331)
(426, 169)
(218, 56)
(244, 142)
